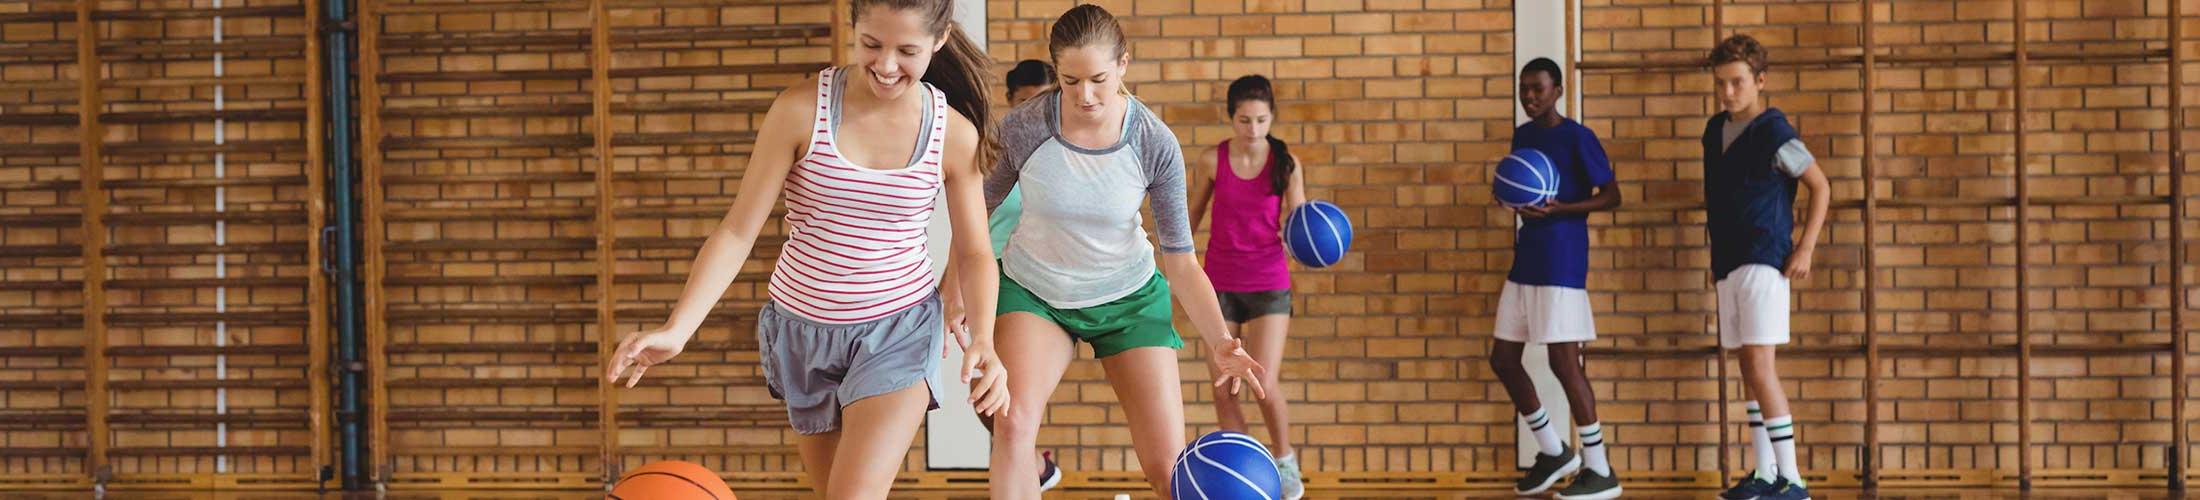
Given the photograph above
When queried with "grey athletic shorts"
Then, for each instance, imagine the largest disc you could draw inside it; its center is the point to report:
(817, 368)
(1240, 307)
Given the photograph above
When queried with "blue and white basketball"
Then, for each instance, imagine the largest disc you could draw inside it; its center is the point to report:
(1226, 465)
(1525, 178)
(1317, 234)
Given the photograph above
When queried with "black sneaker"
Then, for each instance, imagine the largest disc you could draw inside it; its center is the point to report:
(1589, 485)
(1547, 471)
(1785, 490)
(1050, 475)
(1749, 488)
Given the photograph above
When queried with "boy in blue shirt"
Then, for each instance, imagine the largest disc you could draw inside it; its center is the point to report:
(1545, 299)
(1752, 160)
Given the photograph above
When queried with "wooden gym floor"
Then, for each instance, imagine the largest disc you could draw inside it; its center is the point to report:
(1833, 494)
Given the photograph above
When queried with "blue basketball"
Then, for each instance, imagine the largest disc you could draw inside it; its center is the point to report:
(1525, 178)
(1317, 234)
(1226, 466)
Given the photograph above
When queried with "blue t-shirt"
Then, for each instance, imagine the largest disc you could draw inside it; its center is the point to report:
(1554, 251)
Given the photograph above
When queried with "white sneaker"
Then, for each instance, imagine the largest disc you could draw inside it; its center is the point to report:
(1288, 468)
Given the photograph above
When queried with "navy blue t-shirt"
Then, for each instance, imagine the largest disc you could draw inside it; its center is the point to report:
(1554, 251)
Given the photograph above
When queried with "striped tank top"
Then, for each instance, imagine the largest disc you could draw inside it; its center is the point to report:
(855, 248)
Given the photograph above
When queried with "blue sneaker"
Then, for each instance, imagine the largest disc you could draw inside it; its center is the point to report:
(1750, 487)
(1785, 490)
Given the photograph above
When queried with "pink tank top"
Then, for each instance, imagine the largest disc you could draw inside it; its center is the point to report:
(1245, 248)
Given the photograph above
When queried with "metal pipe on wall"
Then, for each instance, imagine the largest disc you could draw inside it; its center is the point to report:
(342, 230)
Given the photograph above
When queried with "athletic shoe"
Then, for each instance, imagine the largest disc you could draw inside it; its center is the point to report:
(1787, 491)
(1293, 486)
(1547, 471)
(1589, 485)
(1050, 475)
(1749, 488)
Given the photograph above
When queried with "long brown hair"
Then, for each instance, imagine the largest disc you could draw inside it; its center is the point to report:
(958, 69)
(1256, 88)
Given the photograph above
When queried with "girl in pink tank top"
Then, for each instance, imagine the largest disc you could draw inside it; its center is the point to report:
(1253, 180)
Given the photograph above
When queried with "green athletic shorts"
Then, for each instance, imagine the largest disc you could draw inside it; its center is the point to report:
(1141, 319)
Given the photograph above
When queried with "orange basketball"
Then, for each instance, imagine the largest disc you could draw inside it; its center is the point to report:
(671, 480)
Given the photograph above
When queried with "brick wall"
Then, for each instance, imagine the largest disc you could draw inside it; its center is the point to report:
(1397, 105)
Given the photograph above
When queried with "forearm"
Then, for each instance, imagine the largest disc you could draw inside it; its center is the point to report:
(714, 268)
(1188, 284)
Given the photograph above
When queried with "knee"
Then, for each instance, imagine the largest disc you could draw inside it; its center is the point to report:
(1019, 424)
(1506, 366)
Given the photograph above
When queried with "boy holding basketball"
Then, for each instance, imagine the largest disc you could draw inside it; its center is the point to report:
(1752, 160)
(1545, 299)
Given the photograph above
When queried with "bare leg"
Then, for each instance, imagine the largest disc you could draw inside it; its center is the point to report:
(1035, 352)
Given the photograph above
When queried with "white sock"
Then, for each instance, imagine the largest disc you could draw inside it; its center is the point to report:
(1545, 435)
(1592, 448)
(1781, 430)
(1761, 445)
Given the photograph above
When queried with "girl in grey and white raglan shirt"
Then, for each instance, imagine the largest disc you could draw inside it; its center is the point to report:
(1078, 266)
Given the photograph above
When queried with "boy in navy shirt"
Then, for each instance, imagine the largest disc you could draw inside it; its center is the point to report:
(1545, 299)
(1752, 160)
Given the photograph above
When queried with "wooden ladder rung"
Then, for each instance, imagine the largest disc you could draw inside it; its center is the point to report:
(198, 49)
(544, 415)
(235, 418)
(204, 147)
(40, 320)
(237, 217)
(38, 119)
(482, 39)
(492, 214)
(737, 139)
(163, 385)
(38, 17)
(530, 177)
(187, 116)
(40, 418)
(155, 284)
(448, 245)
(493, 347)
(293, 180)
(40, 385)
(717, 106)
(198, 249)
(720, 33)
(42, 452)
(41, 351)
(42, 250)
(488, 280)
(490, 382)
(489, 111)
(205, 350)
(41, 149)
(757, 416)
(42, 285)
(485, 76)
(203, 13)
(461, 7)
(209, 451)
(234, 318)
(715, 70)
(488, 142)
(45, 185)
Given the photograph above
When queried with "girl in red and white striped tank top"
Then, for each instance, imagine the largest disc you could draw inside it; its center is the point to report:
(854, 313)
(855, 234)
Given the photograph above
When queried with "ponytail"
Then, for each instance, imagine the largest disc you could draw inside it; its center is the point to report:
(959, 71)
(1281, 154)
